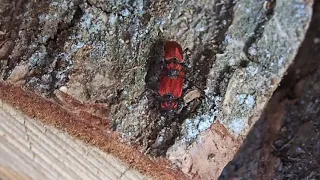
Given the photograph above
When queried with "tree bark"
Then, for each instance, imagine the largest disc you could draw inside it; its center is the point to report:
(103, 58)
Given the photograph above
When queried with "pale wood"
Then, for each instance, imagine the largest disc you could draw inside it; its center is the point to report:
(44, 152)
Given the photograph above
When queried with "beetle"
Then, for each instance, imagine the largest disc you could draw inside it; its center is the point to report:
(171, 78)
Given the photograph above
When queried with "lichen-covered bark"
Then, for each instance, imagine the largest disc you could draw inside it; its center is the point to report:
(259, 46)
(259, 56)
(107, 54)
(284, 144)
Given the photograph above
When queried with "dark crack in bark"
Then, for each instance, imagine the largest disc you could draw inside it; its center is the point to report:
(262, 19)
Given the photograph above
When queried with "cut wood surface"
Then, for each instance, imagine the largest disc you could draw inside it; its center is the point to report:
(44, 152)
(7, 173)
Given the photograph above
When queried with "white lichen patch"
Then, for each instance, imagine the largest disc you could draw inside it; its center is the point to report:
(241, 98)
(38, 57)
(253, 51)
(250, 101)
(280, 61)
(91, 23)
(252, 70)
(238, 125)
(192, 127)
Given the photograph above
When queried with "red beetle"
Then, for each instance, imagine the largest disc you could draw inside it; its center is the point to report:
(172, 77)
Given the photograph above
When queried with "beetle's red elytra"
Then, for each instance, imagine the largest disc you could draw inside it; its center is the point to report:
(172, 77)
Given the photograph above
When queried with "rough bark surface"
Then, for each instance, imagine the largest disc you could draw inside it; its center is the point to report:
(103, 57)
(284, 143)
